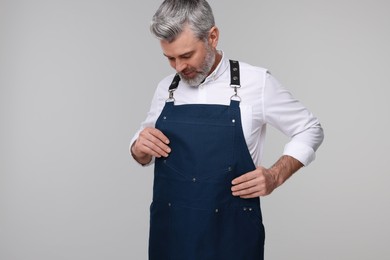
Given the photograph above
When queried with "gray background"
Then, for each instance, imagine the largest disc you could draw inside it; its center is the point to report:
(76, 80)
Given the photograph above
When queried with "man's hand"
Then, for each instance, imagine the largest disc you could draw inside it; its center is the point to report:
(262, 181)
(259, 182)
(151, 142)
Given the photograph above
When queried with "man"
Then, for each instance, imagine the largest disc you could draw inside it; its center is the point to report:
(204, 133)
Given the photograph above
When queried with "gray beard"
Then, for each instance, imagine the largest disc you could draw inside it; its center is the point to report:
(206, 67)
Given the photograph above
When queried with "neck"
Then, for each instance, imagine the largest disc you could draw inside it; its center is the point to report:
(218, 57)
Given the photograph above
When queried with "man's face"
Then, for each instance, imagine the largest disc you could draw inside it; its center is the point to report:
(192, 58)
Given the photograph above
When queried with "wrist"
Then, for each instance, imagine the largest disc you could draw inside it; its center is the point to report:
(284, 168)
(141, 159)
(275, 173)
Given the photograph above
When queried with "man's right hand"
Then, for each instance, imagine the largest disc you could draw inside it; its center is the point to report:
(151, 142)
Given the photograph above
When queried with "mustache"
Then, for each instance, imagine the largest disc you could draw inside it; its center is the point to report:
(188, 71)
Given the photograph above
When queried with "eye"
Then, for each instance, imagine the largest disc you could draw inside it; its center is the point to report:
(187, 56)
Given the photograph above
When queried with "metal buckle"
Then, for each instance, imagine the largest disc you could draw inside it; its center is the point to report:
(170, 98)
(235, 96)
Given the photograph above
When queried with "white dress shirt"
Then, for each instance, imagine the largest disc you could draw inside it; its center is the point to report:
(263, 101)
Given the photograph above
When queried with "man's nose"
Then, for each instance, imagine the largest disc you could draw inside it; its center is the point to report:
(180, 65)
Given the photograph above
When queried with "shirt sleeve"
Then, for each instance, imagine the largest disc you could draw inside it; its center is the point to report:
(289, 116)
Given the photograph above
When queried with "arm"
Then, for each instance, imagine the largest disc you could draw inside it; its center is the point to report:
(149, 142)
(289, 116)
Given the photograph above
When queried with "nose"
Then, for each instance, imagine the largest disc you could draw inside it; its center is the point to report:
(180, 65)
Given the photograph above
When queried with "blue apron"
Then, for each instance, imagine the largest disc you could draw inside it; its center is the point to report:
(194, 215)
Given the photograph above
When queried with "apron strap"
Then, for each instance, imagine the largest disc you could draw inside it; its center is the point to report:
(235, 78)
(234, 81)
(173, 87)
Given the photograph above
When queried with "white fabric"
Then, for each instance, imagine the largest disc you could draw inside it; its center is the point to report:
(263, 101)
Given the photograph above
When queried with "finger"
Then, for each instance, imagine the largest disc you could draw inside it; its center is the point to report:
(251, 192)
(245, 185)
(244, 178)
(155, 150)
(247, 191)
(153, 142)
(159, 135)
(156, 145)
(156, 137)
(262, 192)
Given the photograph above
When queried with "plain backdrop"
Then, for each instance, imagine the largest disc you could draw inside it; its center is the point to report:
(76, 80)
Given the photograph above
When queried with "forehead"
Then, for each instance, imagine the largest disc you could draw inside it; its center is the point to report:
(184, 43)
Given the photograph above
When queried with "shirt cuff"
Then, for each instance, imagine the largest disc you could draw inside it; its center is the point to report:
(300, 151)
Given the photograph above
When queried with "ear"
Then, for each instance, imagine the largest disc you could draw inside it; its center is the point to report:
(213, 36)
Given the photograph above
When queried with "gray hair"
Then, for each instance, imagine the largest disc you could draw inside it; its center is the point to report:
(173, 15)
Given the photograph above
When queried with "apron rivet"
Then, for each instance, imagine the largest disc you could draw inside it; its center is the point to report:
(216, 210)
(169, 204)
(250, 209)
(165, 117)
(244, 209)
(194, 179)
(234, 120)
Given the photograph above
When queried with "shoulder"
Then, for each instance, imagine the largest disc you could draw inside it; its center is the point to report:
(246, 67)
(253, 74)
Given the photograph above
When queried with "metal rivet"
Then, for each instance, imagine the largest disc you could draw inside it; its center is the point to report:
(250, 209)
(235, 78)
(230, 169)
(194, 179)
(165, 117)
(216, 210)
(169, 204)
(234, 69)
(234, 120)
(244, 209)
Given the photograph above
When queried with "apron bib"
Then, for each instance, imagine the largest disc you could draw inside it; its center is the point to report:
(194, 215)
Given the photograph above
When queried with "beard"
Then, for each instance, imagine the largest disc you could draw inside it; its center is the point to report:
(204, 70)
